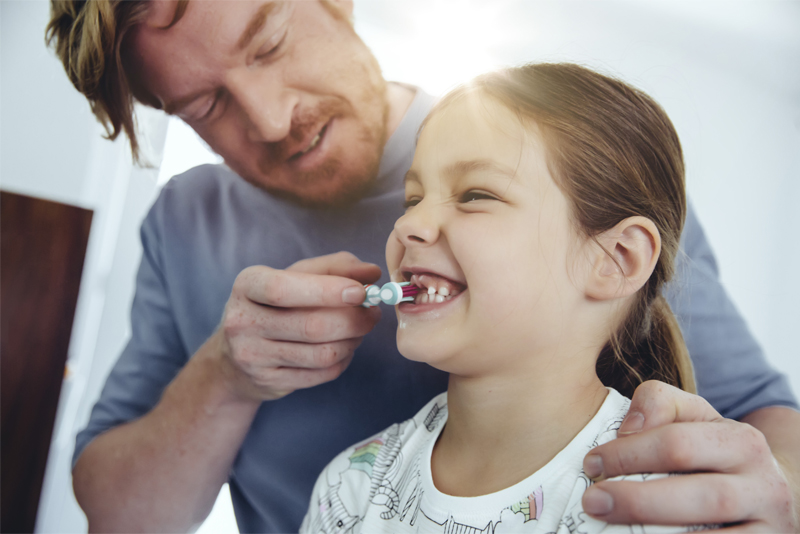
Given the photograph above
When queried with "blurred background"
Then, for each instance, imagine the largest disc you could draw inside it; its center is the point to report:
(727, 72)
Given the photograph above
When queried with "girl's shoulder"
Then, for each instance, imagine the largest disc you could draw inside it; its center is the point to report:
(610, 417)
(361, 473)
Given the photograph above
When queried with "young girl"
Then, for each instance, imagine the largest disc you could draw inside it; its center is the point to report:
(544, 208)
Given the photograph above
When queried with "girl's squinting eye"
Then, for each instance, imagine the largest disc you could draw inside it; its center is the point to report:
(411, 202)
(471, 196)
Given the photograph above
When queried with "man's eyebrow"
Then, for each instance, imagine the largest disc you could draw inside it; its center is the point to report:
(256, 24)
(460, 168)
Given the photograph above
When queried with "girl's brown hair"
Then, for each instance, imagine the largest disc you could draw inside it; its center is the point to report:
(614, 154)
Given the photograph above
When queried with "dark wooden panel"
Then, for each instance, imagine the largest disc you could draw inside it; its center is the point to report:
(42, 247)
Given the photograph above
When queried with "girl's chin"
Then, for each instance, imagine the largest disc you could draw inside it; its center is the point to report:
(426, 350)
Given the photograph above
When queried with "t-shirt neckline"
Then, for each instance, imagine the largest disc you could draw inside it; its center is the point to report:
(478, 506)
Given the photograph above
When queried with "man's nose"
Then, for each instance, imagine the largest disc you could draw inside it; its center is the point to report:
(266, 104)
(419, 226)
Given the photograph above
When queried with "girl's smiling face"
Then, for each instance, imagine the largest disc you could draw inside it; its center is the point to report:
(488, 229)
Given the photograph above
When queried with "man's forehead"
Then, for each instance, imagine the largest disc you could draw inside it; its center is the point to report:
(213, 24)
(173, 61)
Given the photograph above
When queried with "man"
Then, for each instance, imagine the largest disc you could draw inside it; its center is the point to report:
(316, 145)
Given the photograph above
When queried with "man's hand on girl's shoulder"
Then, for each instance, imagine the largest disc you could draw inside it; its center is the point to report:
(730, 475)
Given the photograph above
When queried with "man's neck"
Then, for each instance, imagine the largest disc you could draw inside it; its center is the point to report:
(399, 98)
(502, 429)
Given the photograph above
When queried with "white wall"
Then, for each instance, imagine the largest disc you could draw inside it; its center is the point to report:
(726, 72)
(51, 147)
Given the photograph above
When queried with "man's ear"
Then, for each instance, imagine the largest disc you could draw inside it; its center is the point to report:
(631, 252)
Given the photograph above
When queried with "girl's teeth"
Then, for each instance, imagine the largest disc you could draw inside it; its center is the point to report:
(432, 296)
(431, 291)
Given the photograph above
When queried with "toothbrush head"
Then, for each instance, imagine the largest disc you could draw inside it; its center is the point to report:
(391, 293)
(409, 290)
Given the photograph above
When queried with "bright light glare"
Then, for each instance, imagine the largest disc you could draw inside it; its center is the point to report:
(445, 43)
(183, 149)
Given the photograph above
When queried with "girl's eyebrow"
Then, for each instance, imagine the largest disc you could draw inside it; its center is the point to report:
(460, 168)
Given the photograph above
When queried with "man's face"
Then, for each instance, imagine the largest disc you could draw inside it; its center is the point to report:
(286, 92)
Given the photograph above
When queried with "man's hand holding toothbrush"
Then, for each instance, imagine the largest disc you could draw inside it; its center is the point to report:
(284, 330)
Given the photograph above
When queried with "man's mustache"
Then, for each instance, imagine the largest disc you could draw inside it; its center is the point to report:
(305, 124)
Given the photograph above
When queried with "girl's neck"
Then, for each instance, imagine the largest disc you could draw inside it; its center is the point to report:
(503, 428)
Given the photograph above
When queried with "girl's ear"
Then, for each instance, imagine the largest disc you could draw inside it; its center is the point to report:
(631, 252)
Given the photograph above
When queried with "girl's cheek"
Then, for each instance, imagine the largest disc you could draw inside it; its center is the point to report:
(394, 252)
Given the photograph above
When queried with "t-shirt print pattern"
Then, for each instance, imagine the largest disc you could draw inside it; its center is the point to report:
(384, 484)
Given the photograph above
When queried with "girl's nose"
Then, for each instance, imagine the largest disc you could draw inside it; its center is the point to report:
(418, 227)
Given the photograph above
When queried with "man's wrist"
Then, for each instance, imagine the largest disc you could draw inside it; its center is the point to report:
(229, 383)
(781, 428)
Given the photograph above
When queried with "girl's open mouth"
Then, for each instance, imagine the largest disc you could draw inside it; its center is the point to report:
(436, 289)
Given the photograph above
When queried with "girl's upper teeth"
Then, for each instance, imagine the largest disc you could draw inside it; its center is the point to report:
(439, 289)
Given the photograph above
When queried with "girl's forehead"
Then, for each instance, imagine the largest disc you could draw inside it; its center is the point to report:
(476, 110)
(477, 127)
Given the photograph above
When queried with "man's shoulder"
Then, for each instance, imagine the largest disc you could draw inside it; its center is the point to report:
(206, 194)
(203, 181)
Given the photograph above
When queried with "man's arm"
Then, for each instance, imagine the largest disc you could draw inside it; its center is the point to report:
(281, 331)
(163, 471)
(732, 372)
(732, 473)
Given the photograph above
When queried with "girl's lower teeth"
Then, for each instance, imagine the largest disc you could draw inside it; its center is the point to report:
(433, 296)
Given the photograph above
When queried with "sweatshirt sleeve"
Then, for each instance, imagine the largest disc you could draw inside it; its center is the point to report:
(731, 370)
(154, 354)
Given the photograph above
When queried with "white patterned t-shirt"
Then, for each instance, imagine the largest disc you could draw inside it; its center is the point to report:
(384, 484)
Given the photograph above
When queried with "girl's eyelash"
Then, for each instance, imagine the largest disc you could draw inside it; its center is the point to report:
(469, 196)
(465, 198)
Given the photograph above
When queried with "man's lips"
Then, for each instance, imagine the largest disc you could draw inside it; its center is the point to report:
(311, 143)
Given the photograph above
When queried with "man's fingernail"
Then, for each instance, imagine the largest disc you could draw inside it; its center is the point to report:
(597, 502)
(593, 466)
(633, 423)
(353, 295)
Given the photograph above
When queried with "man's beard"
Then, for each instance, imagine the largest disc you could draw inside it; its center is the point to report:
(349, 182)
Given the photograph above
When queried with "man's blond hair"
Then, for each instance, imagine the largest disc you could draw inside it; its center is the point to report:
(87, 35)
